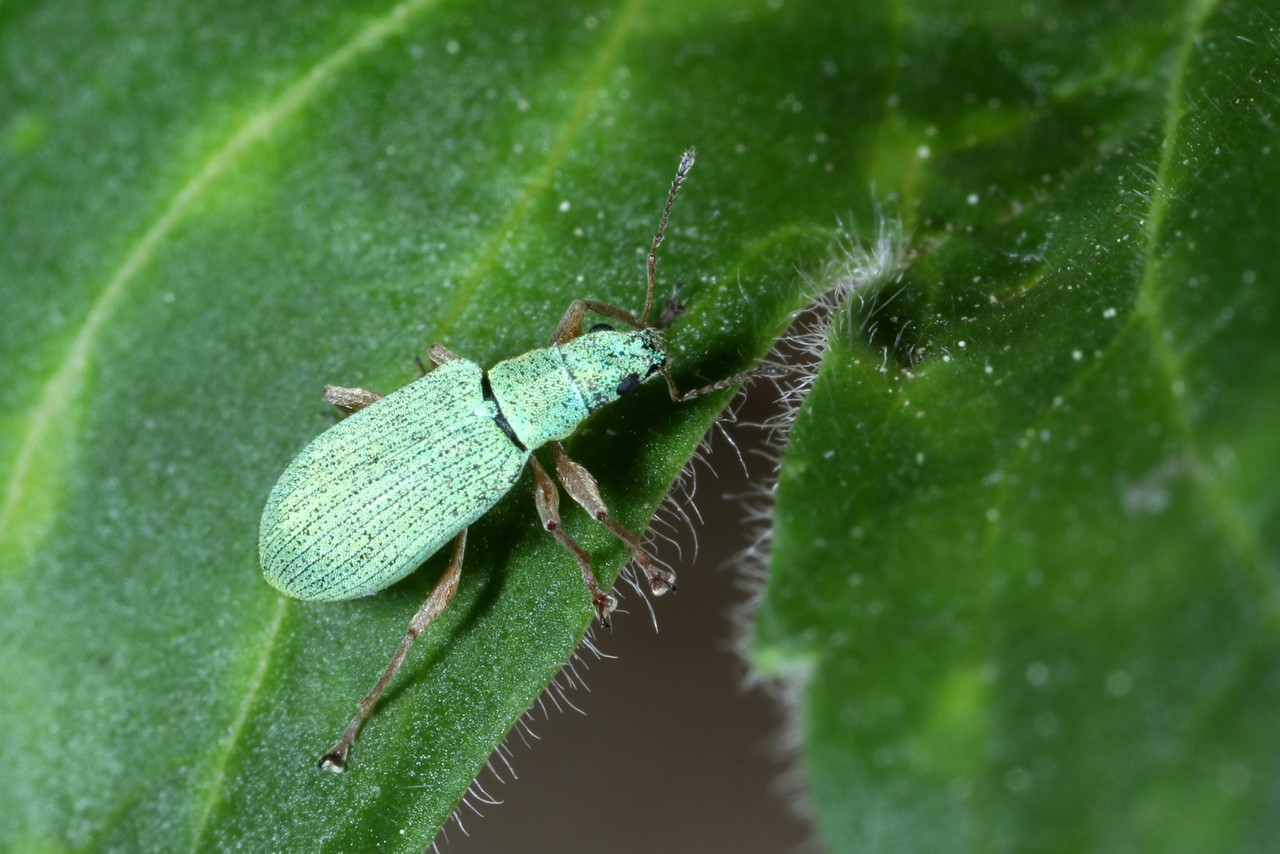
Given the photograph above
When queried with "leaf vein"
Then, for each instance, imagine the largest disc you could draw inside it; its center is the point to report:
(591, 87)
(219, 777)
(64, 386)
(1148, 310)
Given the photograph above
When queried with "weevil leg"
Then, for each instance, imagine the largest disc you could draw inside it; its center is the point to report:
(582, 488)
(441, 595)
(547, 498)
(672, 308)
(350, 400)
(570, 325)
(439, 354)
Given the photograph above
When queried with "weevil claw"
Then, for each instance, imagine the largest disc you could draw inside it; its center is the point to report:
(662, 581)
(604, 605)
(335, 760)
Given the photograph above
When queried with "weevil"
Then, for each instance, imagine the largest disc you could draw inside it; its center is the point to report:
(370, 499)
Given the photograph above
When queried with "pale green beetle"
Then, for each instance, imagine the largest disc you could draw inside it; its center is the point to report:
(369, 500)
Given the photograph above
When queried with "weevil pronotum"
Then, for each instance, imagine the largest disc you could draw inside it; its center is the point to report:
(369, 500)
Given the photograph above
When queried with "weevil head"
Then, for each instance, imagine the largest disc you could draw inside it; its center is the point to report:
(607, 364)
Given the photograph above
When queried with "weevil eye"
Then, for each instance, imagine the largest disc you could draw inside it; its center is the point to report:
(600, 327)
(629, 383)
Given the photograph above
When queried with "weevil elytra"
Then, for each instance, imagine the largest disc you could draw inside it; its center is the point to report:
(369, 500)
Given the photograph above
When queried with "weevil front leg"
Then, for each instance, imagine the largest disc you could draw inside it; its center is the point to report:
(582, 488)
(441, 595)
(570, 326)
(547, 498)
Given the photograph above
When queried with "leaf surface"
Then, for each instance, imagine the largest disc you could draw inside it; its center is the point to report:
(1026, 544)
(210, 213)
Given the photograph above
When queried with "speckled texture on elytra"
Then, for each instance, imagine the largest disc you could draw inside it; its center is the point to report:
(377, 494)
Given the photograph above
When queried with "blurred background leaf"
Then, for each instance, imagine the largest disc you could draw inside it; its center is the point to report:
(1033, 584)
(1048, 596)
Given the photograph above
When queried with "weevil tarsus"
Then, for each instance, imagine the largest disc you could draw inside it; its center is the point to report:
(672, 307)
(441, 595)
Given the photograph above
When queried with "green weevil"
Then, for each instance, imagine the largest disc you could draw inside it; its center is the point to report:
(370, 499)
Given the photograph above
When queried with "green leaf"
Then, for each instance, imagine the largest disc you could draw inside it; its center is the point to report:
(1026, 553)
(1028, 623)
(211, 211)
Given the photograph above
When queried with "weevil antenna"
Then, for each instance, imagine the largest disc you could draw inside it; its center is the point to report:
(686, 163)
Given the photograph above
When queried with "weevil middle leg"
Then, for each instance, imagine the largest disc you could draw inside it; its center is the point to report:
(441, 595)
(547, 498)
(439, 354)
(579, 482)
(582, 488)
(352, 400)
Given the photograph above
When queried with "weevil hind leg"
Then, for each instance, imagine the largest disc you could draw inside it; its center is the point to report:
(441, 595)
(547, 498)
(582, 488)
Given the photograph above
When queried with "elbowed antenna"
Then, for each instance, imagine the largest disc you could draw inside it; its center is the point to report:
(686, 163)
